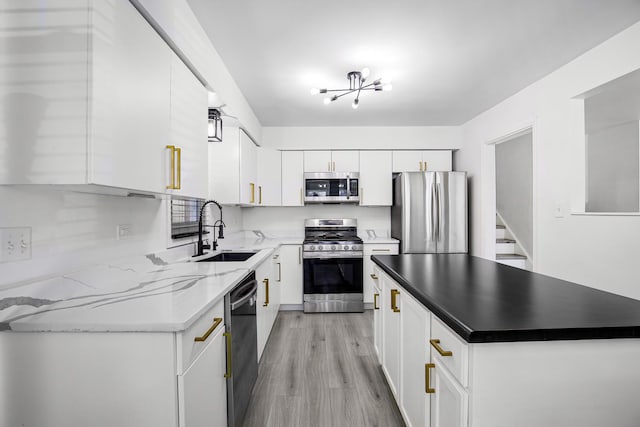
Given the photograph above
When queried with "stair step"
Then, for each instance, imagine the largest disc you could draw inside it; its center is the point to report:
(505, 241)
(510, 256)
(505, 248)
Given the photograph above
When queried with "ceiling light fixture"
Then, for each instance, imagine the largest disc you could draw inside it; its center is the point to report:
(214, 130)
(357, 84)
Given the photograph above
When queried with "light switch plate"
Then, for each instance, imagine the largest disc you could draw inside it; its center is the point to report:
(16, 244)
(123, 231)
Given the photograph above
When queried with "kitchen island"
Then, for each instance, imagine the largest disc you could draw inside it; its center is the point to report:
(465, 341)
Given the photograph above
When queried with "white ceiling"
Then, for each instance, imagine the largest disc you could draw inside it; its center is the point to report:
(448, 60)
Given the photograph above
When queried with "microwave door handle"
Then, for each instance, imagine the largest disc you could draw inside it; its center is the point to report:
(348, 188)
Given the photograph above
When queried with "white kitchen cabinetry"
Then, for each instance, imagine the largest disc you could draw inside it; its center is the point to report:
(391, 333)
(125, 379)
(232, 169)
(374, 249)
(415, 335)
(450, 401)
(331, 161)
(269, 297)
(422, 160)
(377, 314)
(203, 386)
(269, 177)
(100, 117)
(188, 134)
(375, 178)
(291, 275)
(292, 178)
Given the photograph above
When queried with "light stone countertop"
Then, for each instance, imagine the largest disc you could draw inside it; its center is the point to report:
(150, 293)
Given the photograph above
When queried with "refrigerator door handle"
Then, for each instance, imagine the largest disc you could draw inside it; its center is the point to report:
(434, 212)
(440, 210)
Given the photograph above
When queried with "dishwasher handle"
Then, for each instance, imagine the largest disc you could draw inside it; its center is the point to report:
(249, 290)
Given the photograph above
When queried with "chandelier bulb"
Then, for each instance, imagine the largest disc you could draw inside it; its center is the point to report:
(365, 72)
(314, 91)
(327, 101)
(387, 87)
(355, 103)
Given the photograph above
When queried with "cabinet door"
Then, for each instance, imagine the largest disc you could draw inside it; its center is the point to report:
(130, 77)
(317, 161)
(188, 131)
(275, 285)
(437, 160)
(202, 389)
(263, 315)
(375, 178)
(292, 178)
(377, 318)
(449, 402)
(369, 267)
(269, 188)
(407, 161)
(291, 267)
(414, 400)
(248, 173)
(345, 161)
(391, 334)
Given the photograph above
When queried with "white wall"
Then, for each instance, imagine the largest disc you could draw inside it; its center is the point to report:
(365, 137)
(290, 220)
(598, 251)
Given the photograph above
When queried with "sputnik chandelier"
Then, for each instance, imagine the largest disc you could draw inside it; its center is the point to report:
(357, 84)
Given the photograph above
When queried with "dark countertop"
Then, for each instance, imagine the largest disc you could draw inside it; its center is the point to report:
(484, 301)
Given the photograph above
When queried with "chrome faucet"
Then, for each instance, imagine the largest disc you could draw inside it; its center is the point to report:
(219, 224)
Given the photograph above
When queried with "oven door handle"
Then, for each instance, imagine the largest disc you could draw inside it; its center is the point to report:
(332, 256)
(253, 285)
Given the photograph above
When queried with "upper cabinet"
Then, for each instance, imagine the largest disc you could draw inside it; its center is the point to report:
(188, 133)
(422, 161)
(375, 178)
(233, 169)
(269, 177)
(292, 178)
(103, 112)
(331, 161)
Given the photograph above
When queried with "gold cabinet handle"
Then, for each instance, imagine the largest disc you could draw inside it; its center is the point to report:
(380, 250)
(375, 301)
(425, 166)
(252, 187)
(436, 344)
(334, 166)
(427, 381)
(266, 295)
(373, 276)
(172, 183)
(229, 367)
(216, 322)
(420, 166)
(259, 194)
(179, 174)
(279, 272)
(329, 166)
(394, 302)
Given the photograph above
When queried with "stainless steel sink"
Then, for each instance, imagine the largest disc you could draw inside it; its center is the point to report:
(229, 257)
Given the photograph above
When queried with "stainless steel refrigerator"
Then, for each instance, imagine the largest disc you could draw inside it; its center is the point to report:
(429, 212)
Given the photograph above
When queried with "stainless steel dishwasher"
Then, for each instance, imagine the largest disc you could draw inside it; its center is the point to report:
(240, 307)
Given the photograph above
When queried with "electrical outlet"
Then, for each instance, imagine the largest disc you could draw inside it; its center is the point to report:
(16, 244)
(123, 231)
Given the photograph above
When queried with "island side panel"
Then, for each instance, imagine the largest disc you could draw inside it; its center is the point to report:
(555, 383)
(88, 379)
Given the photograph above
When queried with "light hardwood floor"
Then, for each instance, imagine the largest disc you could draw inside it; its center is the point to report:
(321, 370)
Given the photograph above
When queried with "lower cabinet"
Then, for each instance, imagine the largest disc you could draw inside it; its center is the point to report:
(391, 309)
(377, 313)
(449, 401)
(291, 275)
(202, 389)
(368, 265)
(268, 302)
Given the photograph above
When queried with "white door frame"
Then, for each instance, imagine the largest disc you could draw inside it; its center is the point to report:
(488, 160)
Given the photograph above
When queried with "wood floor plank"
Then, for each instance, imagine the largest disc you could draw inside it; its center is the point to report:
(320, 370)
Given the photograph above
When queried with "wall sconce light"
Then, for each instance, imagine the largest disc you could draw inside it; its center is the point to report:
(214, 131)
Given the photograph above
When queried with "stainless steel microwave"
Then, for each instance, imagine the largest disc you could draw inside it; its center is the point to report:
(331, 187)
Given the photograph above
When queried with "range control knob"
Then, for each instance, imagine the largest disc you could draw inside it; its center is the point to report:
(311, 248)
(333, 247)
(346, 247)
(319, 247)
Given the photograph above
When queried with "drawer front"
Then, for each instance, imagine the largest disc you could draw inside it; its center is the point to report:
(443, 338)
(188, 347)
(381, 249)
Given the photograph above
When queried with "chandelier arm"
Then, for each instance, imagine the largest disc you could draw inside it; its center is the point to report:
(346, 93)
(340, 90)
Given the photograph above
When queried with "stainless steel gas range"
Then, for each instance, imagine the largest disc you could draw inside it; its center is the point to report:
(332, 264)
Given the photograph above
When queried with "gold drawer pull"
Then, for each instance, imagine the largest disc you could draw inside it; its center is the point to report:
(394, 302)
(229, 367)
(427, 381)
(259, 194)
(373, 276)
(179, 174)
(216, 322)
(436, 344)
(172, 183)
(279, 272)
(252, 190)
(266, 296)
(381, 250)
(375, 301)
